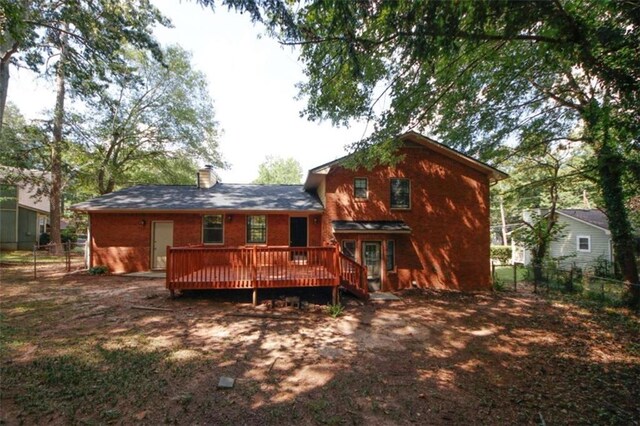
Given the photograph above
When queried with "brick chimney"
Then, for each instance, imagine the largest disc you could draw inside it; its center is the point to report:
(206, 178)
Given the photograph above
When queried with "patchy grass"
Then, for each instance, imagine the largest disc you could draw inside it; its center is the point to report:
(23, 257)
(505, 275)
(73, 351)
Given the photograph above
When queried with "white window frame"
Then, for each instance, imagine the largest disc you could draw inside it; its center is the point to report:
(366, 196)
(213, 243)
(588, 238)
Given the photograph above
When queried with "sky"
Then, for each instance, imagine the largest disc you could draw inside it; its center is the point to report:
(251, 81)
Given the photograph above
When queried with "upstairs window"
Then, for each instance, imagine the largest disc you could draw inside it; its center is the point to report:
(212, 229)
(584, 243)
(360, 188)
(400, 194)
(257, 229)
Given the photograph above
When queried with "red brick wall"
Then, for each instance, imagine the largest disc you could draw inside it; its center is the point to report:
(122, 243)
(449, 218)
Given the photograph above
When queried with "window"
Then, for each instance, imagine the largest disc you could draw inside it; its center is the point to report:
(391, 255)
(257, 229)
(212, 229)
(360, 188)
(349, 248)
(400, 194)
(584, 243)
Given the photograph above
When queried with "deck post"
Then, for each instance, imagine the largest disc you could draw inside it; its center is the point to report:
(336, 264)
(167, 271)
(254, 274)
(334, 295)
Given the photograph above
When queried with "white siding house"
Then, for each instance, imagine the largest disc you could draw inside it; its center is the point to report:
(585, 239)
(24, 213)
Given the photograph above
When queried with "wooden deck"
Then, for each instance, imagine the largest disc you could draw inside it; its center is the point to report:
(205, 267)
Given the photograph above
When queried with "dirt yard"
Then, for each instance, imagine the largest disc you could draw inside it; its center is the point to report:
(74, 350)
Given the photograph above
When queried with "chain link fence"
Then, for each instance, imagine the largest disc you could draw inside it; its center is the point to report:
(593, 282)
(52, 258)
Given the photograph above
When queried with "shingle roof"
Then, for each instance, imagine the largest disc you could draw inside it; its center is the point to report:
(384, 226)
(416, 137)
(222, 196)
(594, 217)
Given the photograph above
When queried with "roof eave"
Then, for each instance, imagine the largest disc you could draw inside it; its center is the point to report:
(370, 231)
(179, 211)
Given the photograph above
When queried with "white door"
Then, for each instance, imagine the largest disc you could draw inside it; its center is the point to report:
(162, 237)
(373, 261)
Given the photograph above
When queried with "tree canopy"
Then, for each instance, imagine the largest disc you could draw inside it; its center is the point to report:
(154, 122)
(478, 76)
(32, 31)
(279, 170)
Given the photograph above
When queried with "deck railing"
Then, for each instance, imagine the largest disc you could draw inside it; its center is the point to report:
(251, 267)
(205, 267)
(354, 276)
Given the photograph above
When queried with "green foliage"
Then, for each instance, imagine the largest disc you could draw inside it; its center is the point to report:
(98, 270)
(96, 31)
(499, 285)
(21, 143)
(541, 173)
(69, 235)
(501, 254)
(335, 310)
(152, 125)
(44, 239)
(537, 233)
(479, 76)
(275, 170)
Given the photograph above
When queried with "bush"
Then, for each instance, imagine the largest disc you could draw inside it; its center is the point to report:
(335, 310)
(501, 253)
(98, 270)
(68, 235)
(44, 239)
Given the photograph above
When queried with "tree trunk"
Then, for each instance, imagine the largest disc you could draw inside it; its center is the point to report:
(4, 77)
(504, 223)
(609, 170)
(55, 195)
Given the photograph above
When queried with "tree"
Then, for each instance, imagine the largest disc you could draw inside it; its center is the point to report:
(32, 31)
(478, 74)
(153, 123)
(78, 42)
(541, 176)
(20, 142)
(279, 170)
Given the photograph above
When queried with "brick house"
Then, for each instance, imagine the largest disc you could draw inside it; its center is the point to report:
(422, 223)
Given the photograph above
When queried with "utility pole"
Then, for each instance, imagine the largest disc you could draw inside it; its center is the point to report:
(504, 223)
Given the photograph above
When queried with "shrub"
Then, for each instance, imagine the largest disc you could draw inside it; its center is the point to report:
(501, 253)
(68, 235)
(335, 310)
(44, 239)
(98, 270)
(499, 285)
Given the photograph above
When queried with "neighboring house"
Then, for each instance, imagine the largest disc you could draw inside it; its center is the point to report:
(24, 211)
(584, 241)
(422, 223)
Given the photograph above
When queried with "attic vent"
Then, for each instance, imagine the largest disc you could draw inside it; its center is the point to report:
(206, 178)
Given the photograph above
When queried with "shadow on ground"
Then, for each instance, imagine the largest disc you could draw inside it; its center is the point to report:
(74, 350)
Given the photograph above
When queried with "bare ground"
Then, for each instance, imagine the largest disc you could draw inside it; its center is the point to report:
(75, 351)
